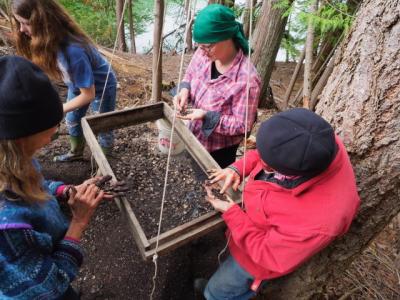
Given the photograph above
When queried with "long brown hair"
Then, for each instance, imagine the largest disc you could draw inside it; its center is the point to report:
(19, 179)
(52, 28)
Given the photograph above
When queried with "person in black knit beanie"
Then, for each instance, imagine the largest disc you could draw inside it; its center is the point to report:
(39, 248)
(300, 194)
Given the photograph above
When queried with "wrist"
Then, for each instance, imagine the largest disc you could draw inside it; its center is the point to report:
(76, 229)
(234, 169)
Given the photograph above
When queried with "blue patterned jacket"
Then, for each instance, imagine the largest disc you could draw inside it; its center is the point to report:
(36, 262)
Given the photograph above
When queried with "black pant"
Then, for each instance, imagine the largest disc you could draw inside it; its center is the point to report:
(225, 156)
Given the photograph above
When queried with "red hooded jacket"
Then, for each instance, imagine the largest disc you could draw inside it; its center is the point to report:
(281, 228)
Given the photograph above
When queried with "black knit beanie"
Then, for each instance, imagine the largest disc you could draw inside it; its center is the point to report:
(28, 102)
(297, 142)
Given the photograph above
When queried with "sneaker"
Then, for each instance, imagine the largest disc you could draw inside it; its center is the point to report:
(199, 285)
(68, 157)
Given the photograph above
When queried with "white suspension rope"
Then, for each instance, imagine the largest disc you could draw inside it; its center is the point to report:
(106, 81)
(245, 125)
(247, 97)
(113, 53)
(155, 256)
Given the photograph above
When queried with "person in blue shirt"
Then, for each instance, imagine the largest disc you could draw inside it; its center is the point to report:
(40, 251)
(51, 39)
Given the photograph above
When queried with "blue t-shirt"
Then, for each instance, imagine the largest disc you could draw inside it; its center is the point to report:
(82, 69)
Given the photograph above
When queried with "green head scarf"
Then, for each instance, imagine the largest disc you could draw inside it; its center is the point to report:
(217, 23)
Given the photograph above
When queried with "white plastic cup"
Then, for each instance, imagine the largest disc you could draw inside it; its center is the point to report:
(164, 136)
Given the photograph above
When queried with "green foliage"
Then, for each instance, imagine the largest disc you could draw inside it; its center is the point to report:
(331, 16)
(98, 17)
(284, 5)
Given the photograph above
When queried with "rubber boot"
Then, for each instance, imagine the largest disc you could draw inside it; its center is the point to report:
(76, 152)
(107, 151)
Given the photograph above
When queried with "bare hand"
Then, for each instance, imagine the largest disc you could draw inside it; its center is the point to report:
(219, 205)
(181, 99)
(83, 202)
(99, 181)
(230, 177)
(194, 114)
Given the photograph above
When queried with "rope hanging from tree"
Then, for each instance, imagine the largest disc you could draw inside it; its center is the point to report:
(93, 173)
(155, 256)
(189, 3)
(246, 122)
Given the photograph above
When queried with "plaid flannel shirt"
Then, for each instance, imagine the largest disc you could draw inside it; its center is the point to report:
(225, 95)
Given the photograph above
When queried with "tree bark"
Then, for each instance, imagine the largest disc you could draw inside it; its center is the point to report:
(322, 81)
(131, 27)
(157, 50)
(246, 17)
(307, 83)
(293, 79)
(120, 20)
(330, 40)
(266, 41)
(327, 45)
(362, 102)
(189, 37)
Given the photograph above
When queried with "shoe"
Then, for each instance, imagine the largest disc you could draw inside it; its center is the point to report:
(106, 150)
(67, 157)
(76, 152)
(199, 285)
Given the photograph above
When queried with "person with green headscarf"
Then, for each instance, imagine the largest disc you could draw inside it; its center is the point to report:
(215, 84)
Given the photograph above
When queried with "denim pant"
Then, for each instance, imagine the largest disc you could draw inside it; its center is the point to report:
(73, 118)
(230, 281)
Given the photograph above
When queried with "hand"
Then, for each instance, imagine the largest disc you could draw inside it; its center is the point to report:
(83, 201)
(181, 99)
(230, 177)
(219, 205)
(193, 114)
(92, 180)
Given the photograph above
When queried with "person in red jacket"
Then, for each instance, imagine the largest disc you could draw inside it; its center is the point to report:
(300, 195)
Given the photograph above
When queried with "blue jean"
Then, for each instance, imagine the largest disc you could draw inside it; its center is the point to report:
(73, 118)
(230, 281)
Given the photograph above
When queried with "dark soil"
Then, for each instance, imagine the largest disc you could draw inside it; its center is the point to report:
(140, 164)
(113, 267)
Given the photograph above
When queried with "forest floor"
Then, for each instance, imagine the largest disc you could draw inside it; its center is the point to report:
(113, 267)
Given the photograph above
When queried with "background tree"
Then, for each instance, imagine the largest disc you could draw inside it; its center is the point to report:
(362, 101)
(267, 39)
(159, 7)
(98, 18)
(131, 27)
(246, 16)
(190, 17)
(331, 22)
(120, 22)
(307, 84)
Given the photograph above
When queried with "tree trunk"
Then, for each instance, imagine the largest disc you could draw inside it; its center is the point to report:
(131, 28)
(362, 102)
(322, 81)
(190, 19)
(330, 40)
(120, 25)
(229, 3)
(266, 41)
(246, 17)
(293, 79)
(327, 45)
(157, 50)
(307, 83)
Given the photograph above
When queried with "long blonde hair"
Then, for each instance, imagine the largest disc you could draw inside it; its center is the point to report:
(18, 175)
(52, 29)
